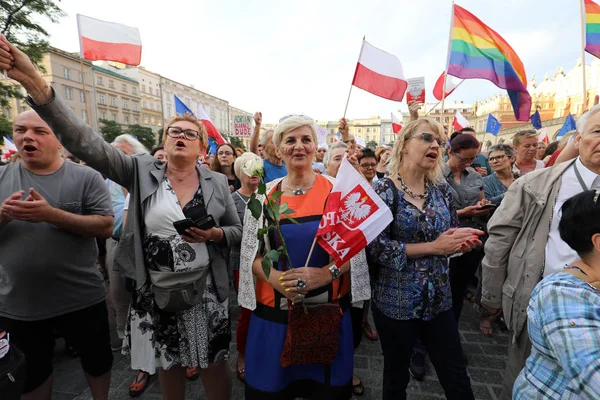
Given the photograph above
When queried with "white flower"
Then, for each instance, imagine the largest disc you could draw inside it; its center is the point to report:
(252, 165)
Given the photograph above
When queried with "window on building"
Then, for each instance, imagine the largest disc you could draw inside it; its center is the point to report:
(143, 88)
(158, 107)
(126, 119)
(126, 104)
(99, 81)
(149, 90)
(113, 101)
(136, 106)
(111, 84)
(67, 73)
(82, 96)
(368, 130)
(101, 99)
(68, 93)
(145, 120)
(102, 115)
(144, 104)
(133, 90)
(157, 91)
(79, 77)
(113, 116)
(124, 87)
(152, 120)
(84, 115)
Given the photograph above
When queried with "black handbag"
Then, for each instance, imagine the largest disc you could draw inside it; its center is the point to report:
(12, 374)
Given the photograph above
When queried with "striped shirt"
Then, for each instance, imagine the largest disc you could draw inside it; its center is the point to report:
(564, 328)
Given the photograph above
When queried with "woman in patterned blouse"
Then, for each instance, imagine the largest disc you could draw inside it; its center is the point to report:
(411, 290)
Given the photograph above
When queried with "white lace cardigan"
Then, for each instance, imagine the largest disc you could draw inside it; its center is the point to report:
(359, 276)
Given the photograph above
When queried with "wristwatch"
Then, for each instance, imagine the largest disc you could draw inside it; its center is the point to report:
(335, 272)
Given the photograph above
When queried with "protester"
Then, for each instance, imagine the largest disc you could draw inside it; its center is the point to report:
(480, 164)
(159, 153)
(564, 314)
(526, 144)
(318, 165)
(549, 152)
(273, 164)
(382, 154)
(411, 289)
(368, 165)
(256, 145)
(530, 214)
(223, 163)
(501, 158)
(333, 158)
(238, 152)
(155, 338)
(52, 211)
(566, 150)
(247, 161)
(305, 192)
(541, 150)
(469, 200)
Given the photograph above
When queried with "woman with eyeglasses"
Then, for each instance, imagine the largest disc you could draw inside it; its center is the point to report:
(411, 290)
(501, 158)
(526, 146)
(470, 204)
(223, 163)
(165, 335)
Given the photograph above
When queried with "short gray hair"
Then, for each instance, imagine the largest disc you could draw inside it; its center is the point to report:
(582, 121)
(135, 144)
(336, 145)
(263, 137)
(294, 122)
(508, 150)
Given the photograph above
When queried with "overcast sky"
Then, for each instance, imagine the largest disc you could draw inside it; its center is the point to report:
(282, 56)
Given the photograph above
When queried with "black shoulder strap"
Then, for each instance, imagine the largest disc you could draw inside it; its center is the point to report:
(394, 206)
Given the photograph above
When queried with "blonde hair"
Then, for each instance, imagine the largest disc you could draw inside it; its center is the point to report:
(243, 159)
(397, 157)
(565, 139)
(522, 135)
(293, 122)
(189, 118)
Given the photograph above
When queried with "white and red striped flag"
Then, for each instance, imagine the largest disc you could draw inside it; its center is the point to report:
(438, 93)
(109, 41)
(9, 149)
(543, 136)
(210, 128)
(396, 126)
(459, 121)
(353, 217)
(380, 73)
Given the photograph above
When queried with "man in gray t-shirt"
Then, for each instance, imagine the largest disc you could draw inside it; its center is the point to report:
(51, 212)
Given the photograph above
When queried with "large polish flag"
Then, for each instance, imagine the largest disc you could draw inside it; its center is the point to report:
(396, 126)
(459, 121)
(109, 41)
(380, 73)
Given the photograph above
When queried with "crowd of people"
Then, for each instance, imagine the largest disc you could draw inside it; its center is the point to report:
(510, 228)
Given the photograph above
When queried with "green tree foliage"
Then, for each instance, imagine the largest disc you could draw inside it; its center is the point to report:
(372, 144)
(18, 22)
(110, 130)
(5, 128)
(143, 134)
(236, 142)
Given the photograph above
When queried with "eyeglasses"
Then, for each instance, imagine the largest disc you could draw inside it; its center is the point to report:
(464, 160)
(429, 138)
(497, 158)
(189, 134)
(224, 153)
(367, 166)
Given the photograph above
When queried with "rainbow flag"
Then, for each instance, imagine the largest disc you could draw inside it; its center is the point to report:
(477, 51)
(592, 28)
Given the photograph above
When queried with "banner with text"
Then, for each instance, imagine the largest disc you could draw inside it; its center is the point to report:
(242, 125)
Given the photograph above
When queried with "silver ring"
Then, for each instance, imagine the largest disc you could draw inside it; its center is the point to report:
(301, 284)
(298, 298)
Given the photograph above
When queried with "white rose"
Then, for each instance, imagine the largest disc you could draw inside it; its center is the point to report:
(253, 166)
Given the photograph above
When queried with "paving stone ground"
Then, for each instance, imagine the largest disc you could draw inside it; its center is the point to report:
(486, 362)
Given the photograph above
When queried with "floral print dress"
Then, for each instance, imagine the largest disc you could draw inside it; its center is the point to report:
(191, 338)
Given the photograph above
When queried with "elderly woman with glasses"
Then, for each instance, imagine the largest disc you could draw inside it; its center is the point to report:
(501, 158)
(320, 285)
(223, 163)
(526, 146)
(411, 289)
(168, 335)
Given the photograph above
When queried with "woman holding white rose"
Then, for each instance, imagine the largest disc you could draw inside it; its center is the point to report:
(322, 286)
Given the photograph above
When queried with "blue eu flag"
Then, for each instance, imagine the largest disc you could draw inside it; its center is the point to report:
(493, 126)
(536, 120)
(568, 126)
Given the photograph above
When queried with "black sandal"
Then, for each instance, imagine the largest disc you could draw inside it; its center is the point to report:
(358, 389)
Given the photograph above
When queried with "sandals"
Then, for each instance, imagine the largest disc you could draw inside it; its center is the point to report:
(369, 331)
(469, 296)
(240, 375)
(485, 322)
(192, 374)
(139, 384)
(358, 389)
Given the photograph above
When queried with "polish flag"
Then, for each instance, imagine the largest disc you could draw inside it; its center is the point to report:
(354, 215)
(543, 136)
(109, 41)
(459, 121)
(450, 86)
(396, 127)
(9, 149)
(210, 128)
(380, 73)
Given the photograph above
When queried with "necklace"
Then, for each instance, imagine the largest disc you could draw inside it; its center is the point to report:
(406, 189)
(298, 191)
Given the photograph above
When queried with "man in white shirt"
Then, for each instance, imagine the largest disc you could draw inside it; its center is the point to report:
(524, 244)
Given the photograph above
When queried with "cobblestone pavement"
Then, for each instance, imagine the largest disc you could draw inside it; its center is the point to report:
(486, 361)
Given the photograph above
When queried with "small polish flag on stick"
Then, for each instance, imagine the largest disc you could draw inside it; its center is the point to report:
(543, 136)
(109, 41)
(459, 121)
(9, 149)
(396, 126)
(438, 93)
(380, 73)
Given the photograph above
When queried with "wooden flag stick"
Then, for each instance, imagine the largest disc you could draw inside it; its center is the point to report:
(583, 54)
(87, 111)
(352, 84)
(310, 252)
(438, 103)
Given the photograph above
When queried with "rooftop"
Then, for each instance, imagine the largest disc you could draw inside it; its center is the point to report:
(109, 72)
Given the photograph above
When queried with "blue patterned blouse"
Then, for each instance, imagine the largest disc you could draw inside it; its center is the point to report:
(412, 288)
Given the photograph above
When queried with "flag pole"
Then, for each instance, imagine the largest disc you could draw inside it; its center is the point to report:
(583, 54)
(310, 252)
(87, 111)
(350, 92)
(438, 103)
(447, 62)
